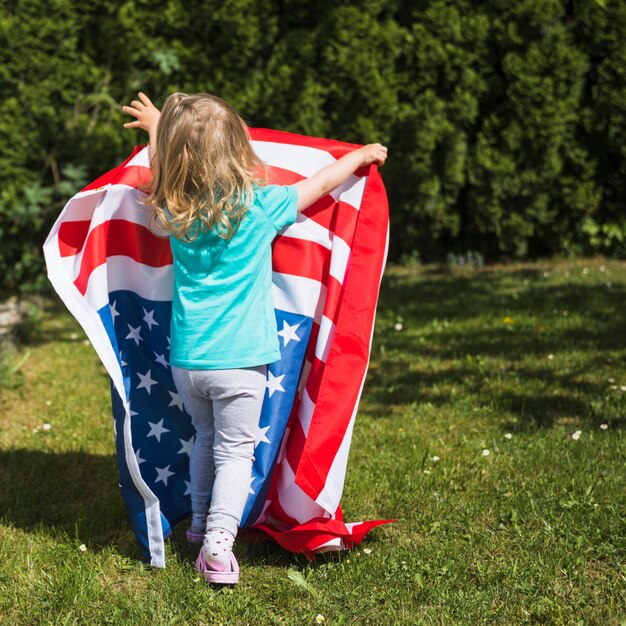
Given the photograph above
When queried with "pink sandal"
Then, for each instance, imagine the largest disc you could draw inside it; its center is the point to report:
(194, 537)
(220, 577)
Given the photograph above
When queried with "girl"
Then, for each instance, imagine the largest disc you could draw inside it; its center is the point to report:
(208, 192)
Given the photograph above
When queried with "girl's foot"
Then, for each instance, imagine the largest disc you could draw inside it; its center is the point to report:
(217, 548)
(219, 577)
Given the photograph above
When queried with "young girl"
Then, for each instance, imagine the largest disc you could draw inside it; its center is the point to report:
(208, 192)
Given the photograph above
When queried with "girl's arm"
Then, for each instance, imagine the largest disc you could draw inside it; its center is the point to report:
(147, 118)
(312, 189)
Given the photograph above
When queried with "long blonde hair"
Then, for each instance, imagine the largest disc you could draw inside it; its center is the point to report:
(205, 167)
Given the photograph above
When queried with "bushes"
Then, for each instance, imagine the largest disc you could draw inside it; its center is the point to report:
(506, 121)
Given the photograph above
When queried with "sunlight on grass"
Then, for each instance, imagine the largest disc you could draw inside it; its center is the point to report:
(491, 426)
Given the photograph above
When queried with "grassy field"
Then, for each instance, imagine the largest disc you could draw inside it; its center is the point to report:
(492, 425)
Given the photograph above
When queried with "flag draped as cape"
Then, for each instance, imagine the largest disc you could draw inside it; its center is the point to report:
(115, 276)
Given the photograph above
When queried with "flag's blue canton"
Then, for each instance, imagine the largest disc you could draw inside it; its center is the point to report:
(161, 429)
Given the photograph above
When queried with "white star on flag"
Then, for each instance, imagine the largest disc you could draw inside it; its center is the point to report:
(274, 383)
(163, 473)
(187, 446)
(134, 334)
(176, 400)
(160, 358)
(148, 318)
(156, 430)
(188, 490)
(289, 332)
(114, 312)
(138, 457)
(168, 343)
(146, 381)
(260, 436)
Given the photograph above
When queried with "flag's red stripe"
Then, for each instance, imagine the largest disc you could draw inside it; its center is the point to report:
(121, 237)
(349, 353)
(300, 257)
(295, 445)
(71, 237)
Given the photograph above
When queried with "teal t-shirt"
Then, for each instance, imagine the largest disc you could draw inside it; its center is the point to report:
(222, 307)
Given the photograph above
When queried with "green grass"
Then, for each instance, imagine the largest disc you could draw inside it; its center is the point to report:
(532, 533)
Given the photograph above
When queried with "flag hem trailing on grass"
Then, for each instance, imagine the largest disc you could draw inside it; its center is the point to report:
(327, 272)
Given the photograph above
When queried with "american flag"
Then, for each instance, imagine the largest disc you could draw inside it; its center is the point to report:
(115, 276)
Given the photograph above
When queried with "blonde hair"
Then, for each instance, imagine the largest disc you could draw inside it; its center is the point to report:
(204, 168)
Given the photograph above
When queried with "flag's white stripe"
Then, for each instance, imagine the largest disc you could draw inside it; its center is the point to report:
(302, 160)
(297, 294)
(305, 411)
(293, 500)
(324, 338)
(292, 294)
(152, 283)
(307, 161)
(88, 317)
(330, 496)
(142, 158)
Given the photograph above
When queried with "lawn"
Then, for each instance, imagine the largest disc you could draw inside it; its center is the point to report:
(492, 426)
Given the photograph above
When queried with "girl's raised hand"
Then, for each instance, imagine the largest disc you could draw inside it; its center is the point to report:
(146, 113)
(373, 153)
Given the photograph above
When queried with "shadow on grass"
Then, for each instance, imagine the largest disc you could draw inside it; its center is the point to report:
(72, 492)
(76, 494)
(453, 336)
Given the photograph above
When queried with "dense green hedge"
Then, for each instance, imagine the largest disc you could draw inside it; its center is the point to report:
(506, 119)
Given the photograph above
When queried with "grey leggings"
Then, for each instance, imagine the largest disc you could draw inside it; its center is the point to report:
(225, 406)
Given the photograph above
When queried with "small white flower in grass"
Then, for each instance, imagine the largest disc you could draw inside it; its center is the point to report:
(486, 452)
(567, 274)
(86, 342)
(82, 547)
(320, 619)
(611, 380)
(566, 313)
(585, 270)
(426, 471)
(48, 402)
(603, 268)
(398, 326)
(576, 434)
(604, 426)
(197, 579)
(434, 459)
(367, 551)
(550, 356)
(508, 436)
(47, 426)
(546, 274)
(613, 386)
(73, 336)
(609, 285)
(623, 387)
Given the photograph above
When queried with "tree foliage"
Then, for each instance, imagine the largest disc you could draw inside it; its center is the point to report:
(506, 121)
